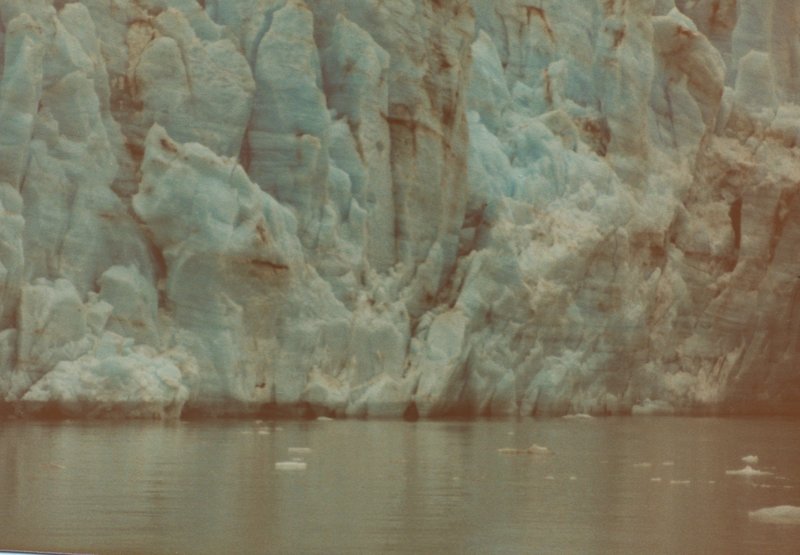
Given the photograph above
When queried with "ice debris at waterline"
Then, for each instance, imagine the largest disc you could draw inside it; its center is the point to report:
(578, 416)
(783, 514)
(750, 459)
(388, 209)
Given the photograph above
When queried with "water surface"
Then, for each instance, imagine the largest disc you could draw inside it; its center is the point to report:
(613, 485)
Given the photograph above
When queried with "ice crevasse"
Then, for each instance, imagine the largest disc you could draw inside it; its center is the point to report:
(419, 207)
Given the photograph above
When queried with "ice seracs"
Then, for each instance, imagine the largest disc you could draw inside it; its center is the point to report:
(340, 208)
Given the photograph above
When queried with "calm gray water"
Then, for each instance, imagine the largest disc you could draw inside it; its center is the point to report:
(391, 487)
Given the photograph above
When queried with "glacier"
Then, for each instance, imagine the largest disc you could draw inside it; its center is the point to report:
(419, 208)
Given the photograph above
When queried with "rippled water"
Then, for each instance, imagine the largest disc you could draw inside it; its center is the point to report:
(383, 487)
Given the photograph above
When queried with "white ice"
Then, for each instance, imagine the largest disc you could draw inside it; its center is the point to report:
(291, 465)
(748, 471)
(782, 514)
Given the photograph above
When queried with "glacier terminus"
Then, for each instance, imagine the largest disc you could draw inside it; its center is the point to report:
(374, 208)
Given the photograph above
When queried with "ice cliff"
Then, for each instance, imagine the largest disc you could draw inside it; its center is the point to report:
(387, 207)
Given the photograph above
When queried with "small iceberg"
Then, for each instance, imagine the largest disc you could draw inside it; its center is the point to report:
(532, 450)
(299, 450)
(783, 514)
(680, 482)
(668, 463)
(291, 465)
(324, 419)
(642, 465)
(578, 416)
(747, 471)
(750, 459)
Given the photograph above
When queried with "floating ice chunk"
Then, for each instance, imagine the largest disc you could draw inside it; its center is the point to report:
(300, 450)
(578, 416)
(750, 459)
(539, 450)
(549, 477)
(324, 419)
(680, 482)
(573, 478)
(747, 471)
(291, 465)
(642, 465)
(264, 432)
(782, 514)
(668, 463)
(655, 479)
(532, 450)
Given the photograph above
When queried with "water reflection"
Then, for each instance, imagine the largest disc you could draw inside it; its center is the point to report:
(396, 487)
